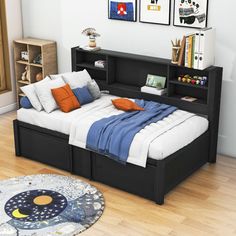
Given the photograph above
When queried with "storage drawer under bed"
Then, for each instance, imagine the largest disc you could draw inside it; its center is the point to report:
(130, 178)
(42, 145)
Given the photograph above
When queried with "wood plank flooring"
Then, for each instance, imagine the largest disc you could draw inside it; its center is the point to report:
(205, 204)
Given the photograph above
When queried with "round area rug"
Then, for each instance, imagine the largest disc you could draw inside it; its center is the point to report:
(47, 205)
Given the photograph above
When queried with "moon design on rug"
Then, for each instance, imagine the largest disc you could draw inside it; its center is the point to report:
(35, 205)
(48, 205)
(16, 213)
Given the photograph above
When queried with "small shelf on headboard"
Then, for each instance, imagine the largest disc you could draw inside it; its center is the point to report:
(90, 66)
(125, 74)
(188, 84)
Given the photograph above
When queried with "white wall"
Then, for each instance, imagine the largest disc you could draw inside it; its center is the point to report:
(63, 21)
(14, 27)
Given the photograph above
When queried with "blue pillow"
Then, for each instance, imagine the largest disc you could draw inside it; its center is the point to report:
(83, 95)
(25, 103)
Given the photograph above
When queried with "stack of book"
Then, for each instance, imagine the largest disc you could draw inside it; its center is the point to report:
(155, 91)
(198, 49)
(92, 49)
(100, 64)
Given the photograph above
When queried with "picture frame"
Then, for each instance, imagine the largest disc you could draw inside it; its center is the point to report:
(191, 14)
(156, 81)
(124, 10)
(155, 11)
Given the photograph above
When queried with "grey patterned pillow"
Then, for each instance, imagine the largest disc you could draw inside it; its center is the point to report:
(94, 89)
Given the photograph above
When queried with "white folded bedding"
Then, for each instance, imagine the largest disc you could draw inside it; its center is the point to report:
(161, 139)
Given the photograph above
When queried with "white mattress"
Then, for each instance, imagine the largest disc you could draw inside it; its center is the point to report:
(161, 147)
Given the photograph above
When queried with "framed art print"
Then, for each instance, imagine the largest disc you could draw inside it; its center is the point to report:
(155, 11)
(156, 81)
(122, 10)
(191, 13)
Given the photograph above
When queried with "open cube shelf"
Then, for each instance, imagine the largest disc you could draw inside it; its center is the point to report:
(34, 47)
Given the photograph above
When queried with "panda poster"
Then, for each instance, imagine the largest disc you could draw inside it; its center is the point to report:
(191, 13)
(155, 11)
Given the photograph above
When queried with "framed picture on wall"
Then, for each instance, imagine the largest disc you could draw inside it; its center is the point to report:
(191, 13)
(155, 11)
(122, 10)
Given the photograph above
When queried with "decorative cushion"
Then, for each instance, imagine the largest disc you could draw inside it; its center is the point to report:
(125, 104)
(45, 95)
(29, 91)
(94, 89)
(65, 98)
(53, 77)
(25, 103)
(77, 79)
(83, 95)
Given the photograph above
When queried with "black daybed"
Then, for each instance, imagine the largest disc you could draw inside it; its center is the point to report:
(123, 76)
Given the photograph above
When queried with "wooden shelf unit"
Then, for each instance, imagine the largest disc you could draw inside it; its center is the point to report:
(34, 47)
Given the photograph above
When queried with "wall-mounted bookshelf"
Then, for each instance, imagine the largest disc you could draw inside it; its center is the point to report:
(34, 47)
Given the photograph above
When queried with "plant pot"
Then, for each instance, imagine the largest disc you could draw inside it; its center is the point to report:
(92, 42)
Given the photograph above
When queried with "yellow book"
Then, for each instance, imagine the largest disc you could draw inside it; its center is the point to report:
(190, 51)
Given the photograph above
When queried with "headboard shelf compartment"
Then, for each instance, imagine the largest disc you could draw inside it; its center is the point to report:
(126, 73)
(86, 59)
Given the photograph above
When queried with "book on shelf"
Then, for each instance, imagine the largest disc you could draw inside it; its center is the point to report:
(199, 49)
(152, 90)
(181, 54)
(100, 63)
(189, 99)
(190, 51)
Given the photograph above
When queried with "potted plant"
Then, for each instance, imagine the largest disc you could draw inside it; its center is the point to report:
(92, 34)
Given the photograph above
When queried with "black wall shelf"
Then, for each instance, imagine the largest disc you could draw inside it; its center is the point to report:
(126, 73)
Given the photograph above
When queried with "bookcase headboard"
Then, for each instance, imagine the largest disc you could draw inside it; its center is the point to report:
(125, 73)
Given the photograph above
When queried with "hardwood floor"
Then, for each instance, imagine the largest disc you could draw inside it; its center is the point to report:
(205, 204)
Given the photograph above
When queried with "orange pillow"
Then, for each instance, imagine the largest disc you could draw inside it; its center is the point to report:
(125, 104)
(65, 98)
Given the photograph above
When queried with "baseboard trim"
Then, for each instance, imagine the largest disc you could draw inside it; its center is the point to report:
(8, 108)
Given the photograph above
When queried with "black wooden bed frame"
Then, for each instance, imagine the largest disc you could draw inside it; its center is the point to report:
(159, 177)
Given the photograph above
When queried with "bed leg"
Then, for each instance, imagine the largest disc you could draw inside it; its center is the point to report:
(71, 159)
(92, 166)
(160, 183)
(16, 138)
(160, 200)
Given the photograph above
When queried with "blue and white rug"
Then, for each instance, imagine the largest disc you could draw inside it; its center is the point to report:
(47, 205)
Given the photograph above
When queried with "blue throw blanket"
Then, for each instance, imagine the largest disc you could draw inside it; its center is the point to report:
(113, 136)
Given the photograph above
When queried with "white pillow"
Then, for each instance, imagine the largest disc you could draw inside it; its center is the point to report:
(53, 77)
(77, 79)
(30, 92)
(45, 95)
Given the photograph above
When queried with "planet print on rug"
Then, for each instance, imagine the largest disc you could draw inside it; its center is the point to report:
(66, 206)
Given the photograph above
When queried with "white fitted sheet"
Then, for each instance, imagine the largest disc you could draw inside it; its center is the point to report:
(161, 147)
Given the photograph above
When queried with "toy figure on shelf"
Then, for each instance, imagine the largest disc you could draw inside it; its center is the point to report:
(38, 59)
(39, 77)
(195, 80)
(26, 74)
